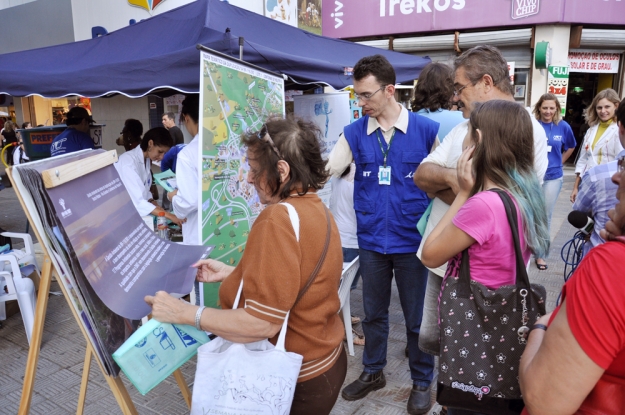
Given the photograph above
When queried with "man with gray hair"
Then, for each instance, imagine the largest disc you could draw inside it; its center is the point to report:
(169, 122)
(480, 75)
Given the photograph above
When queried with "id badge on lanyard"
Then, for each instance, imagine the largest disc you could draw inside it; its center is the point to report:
(384, 173)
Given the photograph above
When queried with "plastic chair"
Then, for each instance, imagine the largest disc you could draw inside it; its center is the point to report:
(29, 257)
(20, 289)
(349, 272)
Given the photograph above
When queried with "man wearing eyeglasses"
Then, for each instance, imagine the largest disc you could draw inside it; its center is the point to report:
(387, 144)
(597, 193)
(480, 75)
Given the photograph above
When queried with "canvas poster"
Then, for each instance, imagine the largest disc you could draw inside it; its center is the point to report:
(122, 258)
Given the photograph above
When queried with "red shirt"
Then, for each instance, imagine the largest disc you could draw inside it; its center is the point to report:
(595, 306)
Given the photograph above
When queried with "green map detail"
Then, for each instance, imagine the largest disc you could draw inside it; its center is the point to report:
(235, 99)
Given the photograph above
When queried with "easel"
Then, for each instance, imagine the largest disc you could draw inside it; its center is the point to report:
(52, 178)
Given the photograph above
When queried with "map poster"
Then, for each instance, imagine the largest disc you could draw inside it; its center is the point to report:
(235, 97)
(331, 113)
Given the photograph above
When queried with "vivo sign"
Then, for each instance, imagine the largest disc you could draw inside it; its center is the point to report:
(360, 18)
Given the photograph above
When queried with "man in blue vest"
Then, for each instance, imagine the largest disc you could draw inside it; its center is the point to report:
(387, 144)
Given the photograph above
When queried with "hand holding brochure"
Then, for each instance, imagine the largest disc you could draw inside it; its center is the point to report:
(167, 180)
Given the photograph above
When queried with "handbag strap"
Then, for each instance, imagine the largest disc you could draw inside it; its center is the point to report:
(295, 222)
(522, 279)
(322, 258)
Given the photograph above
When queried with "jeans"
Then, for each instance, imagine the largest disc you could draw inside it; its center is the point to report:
(551, 191)
(410, 276)
(349, 254)
(429, 338)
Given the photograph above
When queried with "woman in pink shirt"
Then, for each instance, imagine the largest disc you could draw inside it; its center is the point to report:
(498, 154)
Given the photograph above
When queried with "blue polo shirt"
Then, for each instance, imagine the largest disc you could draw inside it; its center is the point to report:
(559, 138)
(69, 141)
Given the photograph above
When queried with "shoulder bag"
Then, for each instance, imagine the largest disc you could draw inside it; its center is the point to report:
(253, 378)
(484, 333)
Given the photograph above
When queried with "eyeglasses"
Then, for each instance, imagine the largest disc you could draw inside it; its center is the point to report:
(621, 164)
(457, 92)
(368, 95)
(263, 135)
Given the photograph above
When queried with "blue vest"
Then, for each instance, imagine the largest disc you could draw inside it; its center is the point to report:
(387, 216)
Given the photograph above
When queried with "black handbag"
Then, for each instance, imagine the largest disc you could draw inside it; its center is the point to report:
(484, 332)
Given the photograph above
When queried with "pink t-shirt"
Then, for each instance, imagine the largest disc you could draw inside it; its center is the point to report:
(492, 259)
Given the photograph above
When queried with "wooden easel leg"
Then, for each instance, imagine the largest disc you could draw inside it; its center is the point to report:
(85, 380)
(184, 388)
(35, 344)
(121, 395)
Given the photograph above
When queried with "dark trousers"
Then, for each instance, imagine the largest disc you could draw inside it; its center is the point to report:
(411, 278)
(318, 395)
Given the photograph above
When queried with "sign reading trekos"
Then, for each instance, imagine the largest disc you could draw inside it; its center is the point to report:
(348, 18)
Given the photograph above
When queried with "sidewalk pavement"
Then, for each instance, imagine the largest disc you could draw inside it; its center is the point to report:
(62, 353)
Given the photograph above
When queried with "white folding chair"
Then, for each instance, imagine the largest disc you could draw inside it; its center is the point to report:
(29, 257)
(349, 272)
(20, 289)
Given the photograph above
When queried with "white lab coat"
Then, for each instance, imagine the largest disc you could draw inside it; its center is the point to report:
(185, 203)
(136, 175)
(606, 150)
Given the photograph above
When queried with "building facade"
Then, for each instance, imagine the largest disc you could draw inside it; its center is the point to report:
(586, 39)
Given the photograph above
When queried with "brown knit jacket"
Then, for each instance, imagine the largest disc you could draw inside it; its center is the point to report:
(275, 267)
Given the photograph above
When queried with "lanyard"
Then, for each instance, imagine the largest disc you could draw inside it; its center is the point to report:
(388, 148)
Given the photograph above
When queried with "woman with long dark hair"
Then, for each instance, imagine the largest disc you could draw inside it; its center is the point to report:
(498, 154)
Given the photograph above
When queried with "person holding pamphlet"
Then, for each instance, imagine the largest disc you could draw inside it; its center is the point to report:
(299, 282)
(134, 170)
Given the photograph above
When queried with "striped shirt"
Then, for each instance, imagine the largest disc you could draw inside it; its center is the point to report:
(596, 196)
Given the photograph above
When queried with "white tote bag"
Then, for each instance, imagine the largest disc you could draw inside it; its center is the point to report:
(253, 378)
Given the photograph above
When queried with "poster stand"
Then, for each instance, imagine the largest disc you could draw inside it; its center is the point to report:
(52, 178)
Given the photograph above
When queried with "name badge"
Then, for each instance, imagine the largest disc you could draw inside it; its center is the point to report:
(384, 175)
(549, 149)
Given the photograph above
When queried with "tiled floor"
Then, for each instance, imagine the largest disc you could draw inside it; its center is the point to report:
(63, 348)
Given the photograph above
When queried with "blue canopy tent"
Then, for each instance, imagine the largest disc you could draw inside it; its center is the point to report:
(160, 53)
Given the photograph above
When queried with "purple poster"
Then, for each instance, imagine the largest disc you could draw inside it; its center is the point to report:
(348, 18)
(121, 257)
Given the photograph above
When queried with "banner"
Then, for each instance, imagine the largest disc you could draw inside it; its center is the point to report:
(350, 19)
(284, 11)
(594, 61)
(558, 83)
(234, 98)
(331, 113)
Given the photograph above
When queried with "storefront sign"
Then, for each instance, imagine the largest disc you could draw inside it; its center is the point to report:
(594, 61)
(349, 19)
(558, 83)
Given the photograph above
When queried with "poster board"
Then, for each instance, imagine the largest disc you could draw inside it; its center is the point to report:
(107, 258)
(234, 98)
(331, 113)
(40, 215)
